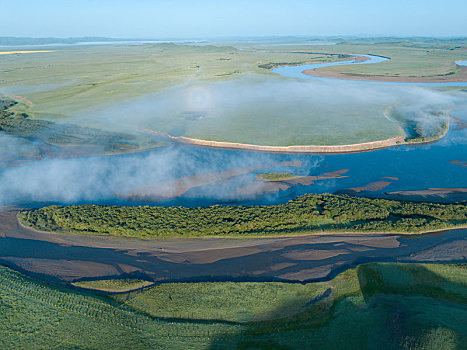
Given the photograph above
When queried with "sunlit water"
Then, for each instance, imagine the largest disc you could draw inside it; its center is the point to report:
(104, 179)
(297, 72)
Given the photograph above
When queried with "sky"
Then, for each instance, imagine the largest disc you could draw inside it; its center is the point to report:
(153, 19)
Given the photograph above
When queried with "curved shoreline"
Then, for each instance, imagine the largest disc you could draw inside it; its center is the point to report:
(318, 149)
(66, 259)
(280, 236)
(110, 291)
(454, 78)
(303, 149)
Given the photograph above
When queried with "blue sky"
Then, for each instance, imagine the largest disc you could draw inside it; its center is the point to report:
(222, 18)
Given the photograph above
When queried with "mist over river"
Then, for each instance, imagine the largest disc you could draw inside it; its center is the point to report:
(108, 179)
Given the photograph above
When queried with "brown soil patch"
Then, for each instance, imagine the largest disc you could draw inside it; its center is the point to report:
(460, 124)
(259, 188)
(174, 188)
(262, 187)
(372, 186)
(437, 192)
(459, 162)
(317, 254)
(67, 258)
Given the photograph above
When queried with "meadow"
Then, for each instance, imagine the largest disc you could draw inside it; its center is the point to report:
(409, 57)
(216, 92)
(308, 213)
(72, 81)
(404, 306)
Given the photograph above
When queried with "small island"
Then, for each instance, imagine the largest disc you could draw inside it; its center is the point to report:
(275, 176)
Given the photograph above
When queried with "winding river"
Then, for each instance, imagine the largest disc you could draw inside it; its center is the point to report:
(66, 258)
(297, 71)
(436, 171)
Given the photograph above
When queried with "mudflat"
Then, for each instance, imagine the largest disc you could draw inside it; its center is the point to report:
(66, 258)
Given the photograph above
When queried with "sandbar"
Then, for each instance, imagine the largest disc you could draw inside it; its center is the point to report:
(66, 258)
(21, 52)
(304, 149)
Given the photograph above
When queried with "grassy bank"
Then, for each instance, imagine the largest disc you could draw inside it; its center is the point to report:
(23, 127)
(403, 306)
(304, 214)
(430, 58)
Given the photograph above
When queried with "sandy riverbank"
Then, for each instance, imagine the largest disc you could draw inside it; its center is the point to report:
(336, 149)
(68, 258)
(22, 52)
(455, 78)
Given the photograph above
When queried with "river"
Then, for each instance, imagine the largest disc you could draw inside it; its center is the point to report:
(103, 180)
(297, 71)
(66, 258)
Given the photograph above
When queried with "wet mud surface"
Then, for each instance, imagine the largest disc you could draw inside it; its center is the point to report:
(66, 258)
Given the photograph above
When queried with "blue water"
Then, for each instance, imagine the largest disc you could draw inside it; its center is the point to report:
(101, 179)
(296, 72)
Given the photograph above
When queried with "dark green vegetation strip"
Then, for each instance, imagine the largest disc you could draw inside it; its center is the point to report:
(21, 125)
(374, 306)
(276, 176)
(307, 213)
(272, 65)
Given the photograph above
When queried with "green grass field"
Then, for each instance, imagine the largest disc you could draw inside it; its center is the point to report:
(74, 80)
(379, 305)
(159, 87)
(410, 57)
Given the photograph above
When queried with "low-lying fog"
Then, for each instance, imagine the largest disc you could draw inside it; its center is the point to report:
(264, 104)
(111, 177)
(92, 179)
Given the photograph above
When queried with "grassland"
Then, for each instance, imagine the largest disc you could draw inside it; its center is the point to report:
(403, 306)
(410, 57)
(131, 88)
(75, 80)
(305, 214)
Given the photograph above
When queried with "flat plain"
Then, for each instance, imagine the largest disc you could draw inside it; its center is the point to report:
(218, 92)
(89, 279)
(395, 305)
